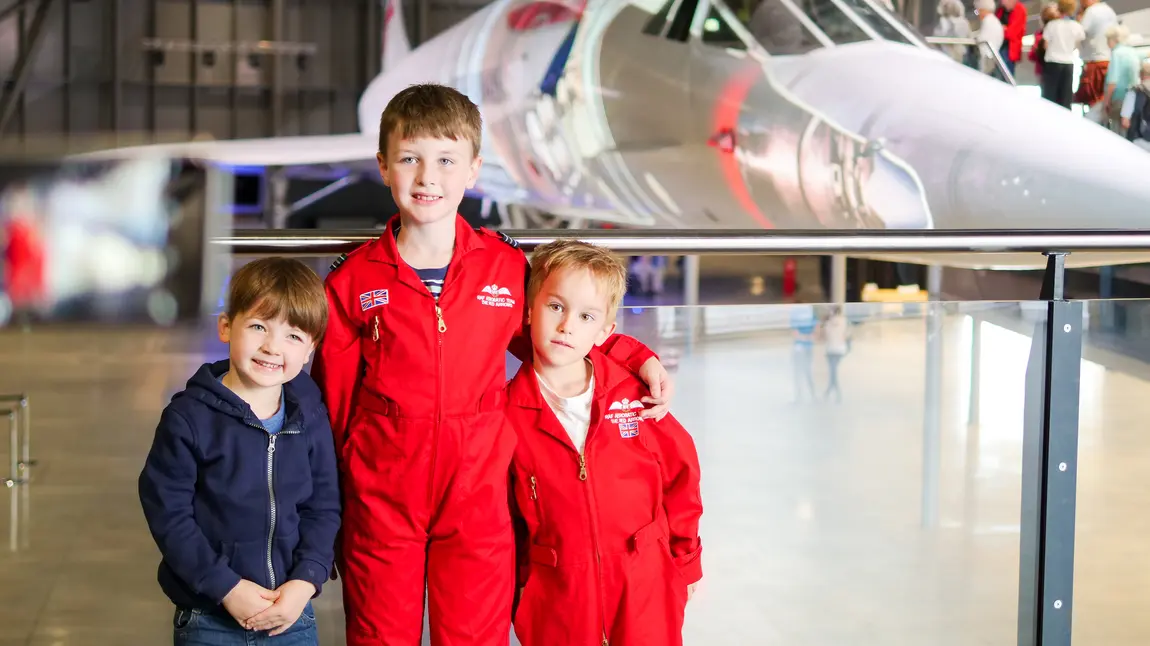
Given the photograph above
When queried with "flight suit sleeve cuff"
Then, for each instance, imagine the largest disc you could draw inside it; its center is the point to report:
(691, 565)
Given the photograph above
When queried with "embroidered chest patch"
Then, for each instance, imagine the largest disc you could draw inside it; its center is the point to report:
(625, 415)
(374, 298)
(495, 296)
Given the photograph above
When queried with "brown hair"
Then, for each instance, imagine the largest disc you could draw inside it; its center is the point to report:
(568, 253)
(1067, 7)
(430, 110)
(275, 288)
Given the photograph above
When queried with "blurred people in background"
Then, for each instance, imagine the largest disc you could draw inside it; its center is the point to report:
(1062, 35)
(650, 271)
(836, 332)
(952, 23)
(1121, 75)
(22, 272)
(1037, 53)
(990, 31)
(1012, 15)
(1135, 114)
(1096, 18)
(804, 325)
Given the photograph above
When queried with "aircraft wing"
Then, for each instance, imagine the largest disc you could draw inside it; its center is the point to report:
(280, 151)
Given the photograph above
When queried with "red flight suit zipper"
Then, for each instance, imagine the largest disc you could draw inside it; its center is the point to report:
(588, 493)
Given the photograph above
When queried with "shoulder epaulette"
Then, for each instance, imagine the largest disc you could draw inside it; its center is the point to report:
(344, 256)
(499, 234)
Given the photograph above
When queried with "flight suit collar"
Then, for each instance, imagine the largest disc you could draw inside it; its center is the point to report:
(524, 392)
(384, 248)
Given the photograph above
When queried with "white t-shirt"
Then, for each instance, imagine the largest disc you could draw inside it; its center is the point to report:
(1062, 37)
(574, 413)
(835, 330)
(990, 31)
(1095, 21)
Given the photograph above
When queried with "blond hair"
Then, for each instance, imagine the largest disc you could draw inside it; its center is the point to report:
(431, 110)
(568, 253)
(279, 288)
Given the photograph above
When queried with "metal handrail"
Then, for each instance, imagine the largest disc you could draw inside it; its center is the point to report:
(981, 44)
(308, 242)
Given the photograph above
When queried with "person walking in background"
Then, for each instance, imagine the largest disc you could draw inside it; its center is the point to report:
(836, 332)
(803, 328)
(1121, 75)
(1096, 18)
(1012, 15)
(990, 31)
(953, 24)
(1062, 36)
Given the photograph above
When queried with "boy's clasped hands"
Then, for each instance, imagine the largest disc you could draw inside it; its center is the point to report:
(256, 608)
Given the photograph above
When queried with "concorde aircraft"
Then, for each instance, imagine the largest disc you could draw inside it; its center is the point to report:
(800, 114)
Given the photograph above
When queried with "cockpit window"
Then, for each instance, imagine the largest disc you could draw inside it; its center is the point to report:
(833, 21)
(879, 21)
(654, 26)
(770, 22)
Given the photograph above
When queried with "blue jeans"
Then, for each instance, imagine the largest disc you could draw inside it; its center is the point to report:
(199, 628)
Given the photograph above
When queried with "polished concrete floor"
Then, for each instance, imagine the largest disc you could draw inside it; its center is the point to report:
(813, 528)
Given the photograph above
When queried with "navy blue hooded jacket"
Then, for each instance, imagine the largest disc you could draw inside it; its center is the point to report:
(225, 500)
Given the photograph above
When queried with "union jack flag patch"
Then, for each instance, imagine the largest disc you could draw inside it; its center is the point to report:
(374, 298)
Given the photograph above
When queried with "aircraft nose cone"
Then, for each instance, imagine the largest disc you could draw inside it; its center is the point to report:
(988, 154)
(1043, 168)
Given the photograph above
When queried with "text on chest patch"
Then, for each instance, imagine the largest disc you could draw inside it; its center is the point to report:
(495, 296)
(624, 415)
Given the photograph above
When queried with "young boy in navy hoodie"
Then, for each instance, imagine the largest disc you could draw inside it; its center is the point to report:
(240, 488)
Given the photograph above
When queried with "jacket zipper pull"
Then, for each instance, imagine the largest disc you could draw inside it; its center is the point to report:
(439, 315)
(375, 329)
(582, 467)
(534, 495)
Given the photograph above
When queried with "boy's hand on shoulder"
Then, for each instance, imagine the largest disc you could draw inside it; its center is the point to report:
(293, 598)
(248, 599)
(662, 389)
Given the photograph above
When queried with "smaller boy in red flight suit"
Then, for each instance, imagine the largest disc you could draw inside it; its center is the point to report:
(608, 503)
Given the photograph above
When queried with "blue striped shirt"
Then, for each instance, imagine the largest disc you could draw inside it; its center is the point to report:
(432, 279)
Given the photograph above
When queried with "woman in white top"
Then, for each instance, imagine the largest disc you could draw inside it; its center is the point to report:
(990, 32)
(1062, 37)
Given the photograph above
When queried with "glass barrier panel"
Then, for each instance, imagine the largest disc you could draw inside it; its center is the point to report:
(862, 508)
(1113, 510)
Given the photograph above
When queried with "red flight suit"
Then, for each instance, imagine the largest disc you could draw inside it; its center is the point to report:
(416, 390)
(611, 540)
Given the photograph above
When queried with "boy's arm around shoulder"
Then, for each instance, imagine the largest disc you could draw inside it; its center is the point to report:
(338, 360)
(682, 498)
(319, 515)
(167, 486)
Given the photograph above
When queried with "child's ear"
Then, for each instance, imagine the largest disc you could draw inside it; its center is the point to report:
(381, 161)
(224, 327)
(605, 334)
(476, 164)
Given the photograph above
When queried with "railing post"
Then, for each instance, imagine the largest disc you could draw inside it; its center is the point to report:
(20, 438)
(1050, 467)
(14, 476)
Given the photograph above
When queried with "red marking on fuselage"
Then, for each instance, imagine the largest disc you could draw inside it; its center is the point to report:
(541, 14)
(727, 110)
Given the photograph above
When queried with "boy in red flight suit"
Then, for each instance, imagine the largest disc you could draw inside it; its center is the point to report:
(412, 371)
(608, 502)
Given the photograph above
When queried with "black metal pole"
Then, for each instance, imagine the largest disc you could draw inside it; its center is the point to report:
(1050, 467)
